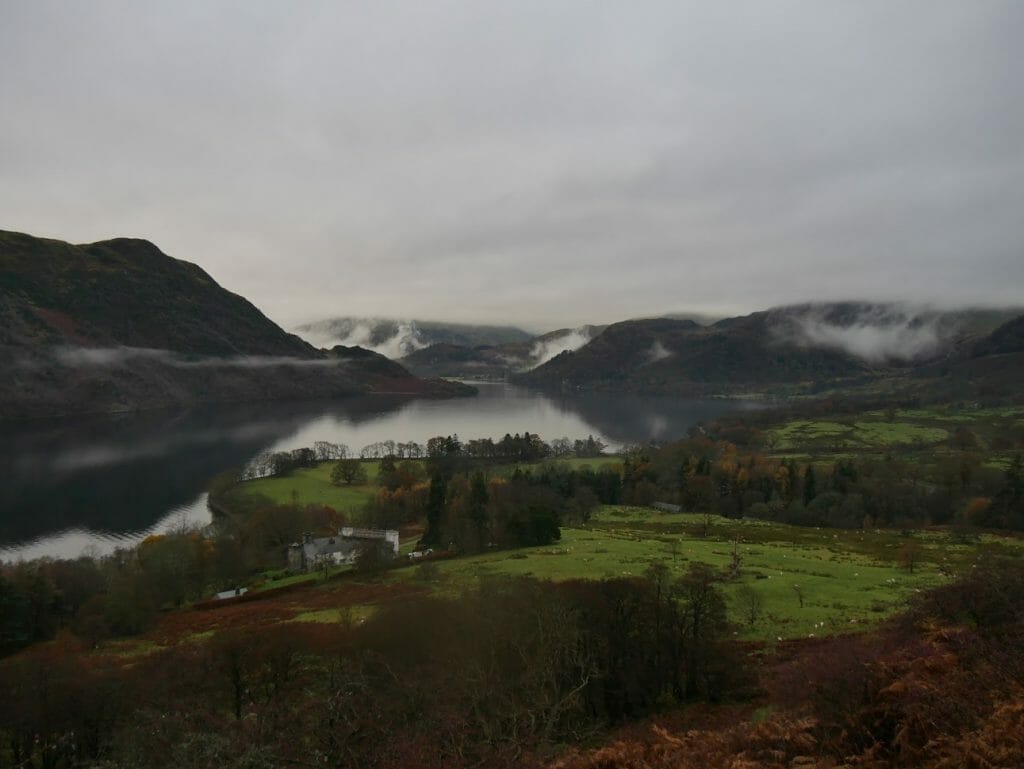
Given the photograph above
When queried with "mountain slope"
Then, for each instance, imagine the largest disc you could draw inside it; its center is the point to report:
(127, 292)
(786, 350)
(1007, 339)
(989, 368)
(665, 355)
(496, 361)
(119, 325)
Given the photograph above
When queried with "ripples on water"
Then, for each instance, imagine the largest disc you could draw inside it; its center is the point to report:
(76, 541)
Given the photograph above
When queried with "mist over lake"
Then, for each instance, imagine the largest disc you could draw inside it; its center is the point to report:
(90, 485)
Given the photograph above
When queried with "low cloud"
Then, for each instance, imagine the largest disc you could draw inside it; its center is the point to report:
(392, 339)
(658, 352)
(105, 357)
(875, 335)
(545, 350)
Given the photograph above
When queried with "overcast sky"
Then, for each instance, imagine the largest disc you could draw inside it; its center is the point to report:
(540, 163)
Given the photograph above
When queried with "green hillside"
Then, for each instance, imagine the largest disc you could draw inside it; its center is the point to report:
(120, 326)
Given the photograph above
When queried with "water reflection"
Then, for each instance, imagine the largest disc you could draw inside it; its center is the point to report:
(93, 484)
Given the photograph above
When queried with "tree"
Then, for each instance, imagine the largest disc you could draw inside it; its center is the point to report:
(524, 514)
(580, 505)
(591, 447)
(963, 438)
(128, 607)
(435, 510)
(751, 603)
(32, 598)
(707, 523)
(798, 591)
(410, 474)
(909, 555)
(478, 498)
(1007, 508)
(326, 451)
(348, 472)
(386, 472)
(373, 558)
(810, 485)
(172, 566)
(561, 447)
(15, 618)
(683, 481)
(735, 560)
(704, 623)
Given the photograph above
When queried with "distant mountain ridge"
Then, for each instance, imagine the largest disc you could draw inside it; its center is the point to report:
(792, 347)
(496, 361)
(443, 349)
(119, 325)
(397, 338)
(796, 348)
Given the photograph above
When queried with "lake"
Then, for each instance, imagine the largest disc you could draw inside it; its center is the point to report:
(90, 485)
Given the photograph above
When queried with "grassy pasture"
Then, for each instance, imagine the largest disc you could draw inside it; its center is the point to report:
(907, 429)
(353, 614)
(312, 486)
(849, 579)
(853, 435)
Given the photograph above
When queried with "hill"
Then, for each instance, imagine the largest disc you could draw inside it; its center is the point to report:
(784, 350)
(665, 355)
(119, 325)
(988, 370)
(1005, 340)
(496, 361)
(127, 292)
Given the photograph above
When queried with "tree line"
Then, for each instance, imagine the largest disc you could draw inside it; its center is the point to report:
(716, 476)
(538, 664)
(466, 507)
(511, 448)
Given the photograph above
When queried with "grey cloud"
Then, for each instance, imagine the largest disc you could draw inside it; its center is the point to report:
(873, 343)
(658, 352)
(876, 334)
(533, 163)
(405, 339)
(545, 350)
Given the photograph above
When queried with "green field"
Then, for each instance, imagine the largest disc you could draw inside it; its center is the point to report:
(850, 580)
(847, 579)
(860, 434)
(312, 486)
(900, 428)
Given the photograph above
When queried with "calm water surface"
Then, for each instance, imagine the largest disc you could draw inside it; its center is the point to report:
(90, 485)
